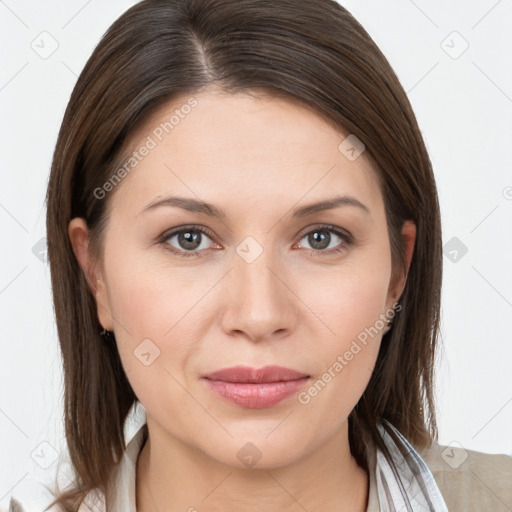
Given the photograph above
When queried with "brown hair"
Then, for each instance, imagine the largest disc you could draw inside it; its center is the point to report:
(311, 52)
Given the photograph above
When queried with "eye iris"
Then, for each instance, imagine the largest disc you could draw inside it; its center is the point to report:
(314, 239)
(189, 239)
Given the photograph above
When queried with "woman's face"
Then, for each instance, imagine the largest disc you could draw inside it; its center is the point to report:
(264, 282)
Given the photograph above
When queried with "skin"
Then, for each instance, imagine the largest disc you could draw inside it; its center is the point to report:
(259, 159)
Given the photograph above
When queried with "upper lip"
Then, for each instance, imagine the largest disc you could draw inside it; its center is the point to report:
(248, 374)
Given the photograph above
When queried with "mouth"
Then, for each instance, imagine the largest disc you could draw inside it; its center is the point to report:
(255, 388)
(246, 374)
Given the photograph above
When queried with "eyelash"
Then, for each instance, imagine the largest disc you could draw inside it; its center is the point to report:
(345, 236)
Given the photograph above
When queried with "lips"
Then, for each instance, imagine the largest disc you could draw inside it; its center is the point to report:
(246, 374)
(255, 388)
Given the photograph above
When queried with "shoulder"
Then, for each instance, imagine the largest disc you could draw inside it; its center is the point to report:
(470, 480)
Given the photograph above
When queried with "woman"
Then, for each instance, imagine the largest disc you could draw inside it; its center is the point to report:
(244, 238)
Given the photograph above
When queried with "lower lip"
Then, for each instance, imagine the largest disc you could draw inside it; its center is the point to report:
(256, 396)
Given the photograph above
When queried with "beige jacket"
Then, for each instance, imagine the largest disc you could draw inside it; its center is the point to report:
(471, 481)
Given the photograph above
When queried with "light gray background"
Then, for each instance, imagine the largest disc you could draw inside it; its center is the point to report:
(463, 102)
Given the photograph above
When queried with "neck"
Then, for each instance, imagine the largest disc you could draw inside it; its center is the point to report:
(176, 477)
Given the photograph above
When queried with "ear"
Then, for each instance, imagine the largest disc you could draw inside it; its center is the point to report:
(79, 236)
(397, 285)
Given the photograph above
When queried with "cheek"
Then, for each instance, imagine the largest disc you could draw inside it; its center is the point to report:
(148, 296)
(154, 347)
(348, 299)
(135, 296)
(350, 302)
(346, 356)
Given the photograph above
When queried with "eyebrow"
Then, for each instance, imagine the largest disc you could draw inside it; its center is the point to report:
(193, 205)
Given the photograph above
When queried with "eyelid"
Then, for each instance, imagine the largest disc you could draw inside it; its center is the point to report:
(327, 227)
(191, 227)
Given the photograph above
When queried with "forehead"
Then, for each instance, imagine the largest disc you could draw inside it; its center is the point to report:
(227, 146)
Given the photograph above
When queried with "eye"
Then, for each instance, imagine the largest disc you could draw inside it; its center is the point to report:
(321, 240)
(188, 241)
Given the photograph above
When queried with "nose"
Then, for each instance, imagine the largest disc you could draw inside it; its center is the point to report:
(259, 301)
